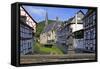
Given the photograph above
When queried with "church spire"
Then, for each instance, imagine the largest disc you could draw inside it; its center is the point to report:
(46, 19)
(57, 19)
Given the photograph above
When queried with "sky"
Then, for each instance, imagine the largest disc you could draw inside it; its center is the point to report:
(38, 13)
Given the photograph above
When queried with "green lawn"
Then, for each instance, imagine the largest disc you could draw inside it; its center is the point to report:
(41, 49)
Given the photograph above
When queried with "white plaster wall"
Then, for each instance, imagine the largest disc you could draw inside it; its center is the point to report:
(43, 38)
(76, 27)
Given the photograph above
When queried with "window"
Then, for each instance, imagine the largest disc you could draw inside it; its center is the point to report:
(94, 15)
(88, 42)
(93, 22)
(86, 48)
(94, 34)
(91, 19)
(91, 34)
(21, 48)
(88, 34)
(91, 48)
(94, 41)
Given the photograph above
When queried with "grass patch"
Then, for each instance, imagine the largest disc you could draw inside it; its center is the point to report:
(41, 49)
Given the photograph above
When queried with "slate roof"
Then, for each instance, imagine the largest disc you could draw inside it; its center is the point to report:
(72, 19)
(51, 26)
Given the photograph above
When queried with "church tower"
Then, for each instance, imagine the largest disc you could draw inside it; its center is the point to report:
(46, 19)
(57, 19)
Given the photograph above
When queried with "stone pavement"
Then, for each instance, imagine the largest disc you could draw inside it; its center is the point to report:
(24, 59)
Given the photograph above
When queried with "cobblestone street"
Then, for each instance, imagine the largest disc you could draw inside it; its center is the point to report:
(55, 58)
